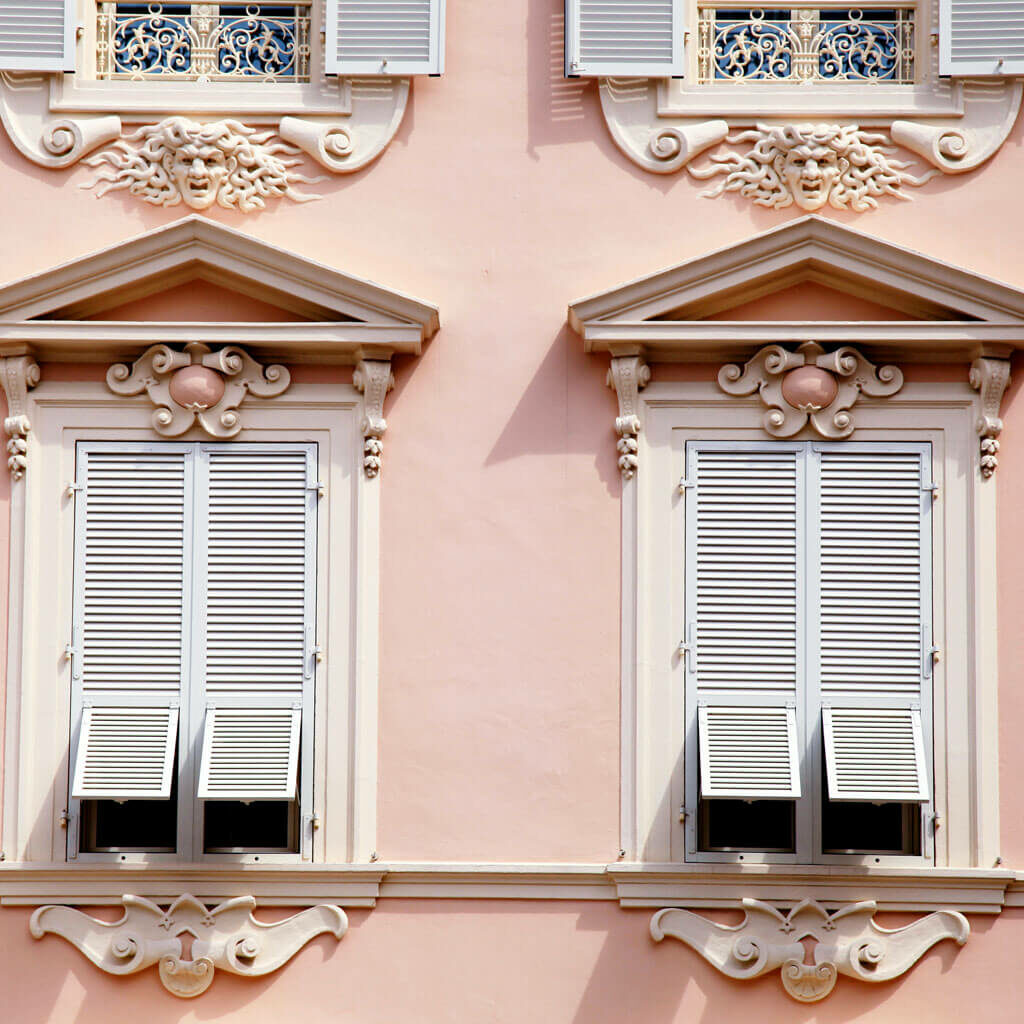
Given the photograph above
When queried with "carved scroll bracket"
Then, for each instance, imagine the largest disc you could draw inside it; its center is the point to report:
(373, 379)
(227, 937)
(847, 942)
(628, 375)
(810, 384)
(197, 385)
(18, 374)
(990, 377)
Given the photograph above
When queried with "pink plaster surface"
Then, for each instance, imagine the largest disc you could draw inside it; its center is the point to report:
(497, 962)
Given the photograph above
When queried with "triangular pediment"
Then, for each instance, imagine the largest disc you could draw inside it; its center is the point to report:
(904, 294)
(278, 287)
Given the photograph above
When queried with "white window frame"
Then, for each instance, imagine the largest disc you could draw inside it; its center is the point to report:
(345, 719)
(653, 830)
(809, 701)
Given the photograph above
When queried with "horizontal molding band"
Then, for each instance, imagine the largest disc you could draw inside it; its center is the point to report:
(974, 891)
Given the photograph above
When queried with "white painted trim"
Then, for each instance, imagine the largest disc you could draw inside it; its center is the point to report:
(632, 885)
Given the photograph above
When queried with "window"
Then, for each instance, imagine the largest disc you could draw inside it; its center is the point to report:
(194, 648)
(808, 652)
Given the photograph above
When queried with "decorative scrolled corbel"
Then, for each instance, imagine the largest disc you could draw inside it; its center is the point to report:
(628, 375)
(847, 942)
(227, 937)
(809, 384)
(18, 374)
(373, 379)
(197, 385)
(989, 377)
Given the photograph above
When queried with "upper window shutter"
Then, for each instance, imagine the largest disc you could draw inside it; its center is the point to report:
(384, 37)
(625, 38)
(981, 37)
(37, 35)
(129, 630)
(257, 548)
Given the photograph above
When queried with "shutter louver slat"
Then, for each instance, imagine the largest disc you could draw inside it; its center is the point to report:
(746, 593)
(981, 37)
(875, 754)
(748, 753)
(384, 37)
(625, 38)
(871, 553)
(250, 754)
(126, 753)
(37, 36)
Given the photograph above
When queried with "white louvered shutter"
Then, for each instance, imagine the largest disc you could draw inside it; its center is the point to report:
(257, 555)
(873, 607)
(129, 634)
(384, 37)
(623, 38)
(744, 594)
(37, 35)
(981, 37)
(875, 754)
(749, 753)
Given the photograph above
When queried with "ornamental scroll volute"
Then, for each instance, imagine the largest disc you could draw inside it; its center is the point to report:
(197, 385)
(810, 384)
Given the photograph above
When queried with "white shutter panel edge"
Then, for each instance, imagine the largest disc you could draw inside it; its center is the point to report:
(748, 753)
(981, 37)
(875, 754)
(37, 35)
(625, 38)
(384, 37)
(250, 753)
(126, 753)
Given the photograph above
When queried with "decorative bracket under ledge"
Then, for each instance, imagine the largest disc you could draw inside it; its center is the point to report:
(990, 377)
(373, 379)
(18, 374)
(846, 942)
(628, 376)
(187, 940)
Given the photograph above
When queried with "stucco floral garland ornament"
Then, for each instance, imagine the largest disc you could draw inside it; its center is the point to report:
(226, 937)
(811, 165)
(848, 942)
(990, 377)
(179, 160)
(197, 385)
(810, 384)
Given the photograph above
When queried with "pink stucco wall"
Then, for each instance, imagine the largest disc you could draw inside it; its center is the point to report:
(502, 199)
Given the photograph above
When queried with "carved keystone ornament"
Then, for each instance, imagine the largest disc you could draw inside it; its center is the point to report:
(188, 941)
(197, 384)
(810, 384)
(845, 942)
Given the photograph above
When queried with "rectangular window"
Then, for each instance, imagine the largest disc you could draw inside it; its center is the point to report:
(809, 649)
(193, 651)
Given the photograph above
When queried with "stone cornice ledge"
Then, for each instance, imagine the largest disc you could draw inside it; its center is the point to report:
(974, 891)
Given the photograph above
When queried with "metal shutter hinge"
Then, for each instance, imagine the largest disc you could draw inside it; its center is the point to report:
(933, 489)
(72, 487)
(682, 813)
(318, 487)
(684, 484)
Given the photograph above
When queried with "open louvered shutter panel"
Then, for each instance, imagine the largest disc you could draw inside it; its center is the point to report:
(384, 37)
(37, 35)
(258, 544)
(624, 37)
(748, 753)
(132, 532)
(875, 754)
(981, 37)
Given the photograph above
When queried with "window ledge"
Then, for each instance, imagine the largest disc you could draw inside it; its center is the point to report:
(968, 890)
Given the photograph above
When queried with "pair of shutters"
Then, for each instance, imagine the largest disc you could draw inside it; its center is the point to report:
(809, 587)
(639, 38)
(193, 613)
(363, 37)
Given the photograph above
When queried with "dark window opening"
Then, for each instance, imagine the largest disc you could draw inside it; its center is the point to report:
(130, 826)
(260, 826)
(734, 826)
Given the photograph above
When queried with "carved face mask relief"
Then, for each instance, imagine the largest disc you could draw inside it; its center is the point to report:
(199, 172)
(810, 172)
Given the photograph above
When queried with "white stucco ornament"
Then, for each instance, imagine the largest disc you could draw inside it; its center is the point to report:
(197, 385)
(811, 166)
(810, 384)
(181, 161)
(187, 940)
(846, 942)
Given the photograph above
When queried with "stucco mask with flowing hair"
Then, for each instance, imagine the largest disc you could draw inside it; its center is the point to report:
(179, 160)
(811, 166)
